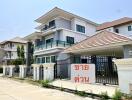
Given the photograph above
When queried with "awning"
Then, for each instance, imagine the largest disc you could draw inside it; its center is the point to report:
(103, 40)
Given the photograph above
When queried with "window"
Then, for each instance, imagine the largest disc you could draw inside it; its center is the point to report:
(76, 59)
(49, 40)
(129, 28)
(43, 59)
(12, 45)
(117, 30)
(52, 23)
(70, 40)
(47, 59)
(80, 28)
(38, 60)
(53, 59)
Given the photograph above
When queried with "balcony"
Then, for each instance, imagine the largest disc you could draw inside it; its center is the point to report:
(54, 44)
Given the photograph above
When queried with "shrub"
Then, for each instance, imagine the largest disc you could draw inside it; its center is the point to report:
(61, 88)
(45, 83)
(80, 93)
(117, 95)
(104, 96)
(128, 97)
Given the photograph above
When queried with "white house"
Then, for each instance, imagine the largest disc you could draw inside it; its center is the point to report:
(10, 47)
(58, 29)
(122, 26)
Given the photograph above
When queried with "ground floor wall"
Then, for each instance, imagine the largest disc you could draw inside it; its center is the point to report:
(106, 71)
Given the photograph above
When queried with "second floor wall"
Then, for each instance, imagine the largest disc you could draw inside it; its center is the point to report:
(10, 46)
(59, 38)
(74, 24)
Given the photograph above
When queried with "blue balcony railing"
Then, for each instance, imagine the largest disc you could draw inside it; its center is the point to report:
(52, 45)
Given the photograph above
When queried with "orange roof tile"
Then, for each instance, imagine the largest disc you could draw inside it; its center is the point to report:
(102, 38)
(114, 23)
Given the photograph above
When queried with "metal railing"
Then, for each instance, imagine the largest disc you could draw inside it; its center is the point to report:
(53, 44)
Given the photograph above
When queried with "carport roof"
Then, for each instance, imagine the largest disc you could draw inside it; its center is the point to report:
(100, 40)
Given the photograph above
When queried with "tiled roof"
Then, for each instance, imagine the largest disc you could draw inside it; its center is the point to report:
(102, 38)
(114, 23)
(16, 39)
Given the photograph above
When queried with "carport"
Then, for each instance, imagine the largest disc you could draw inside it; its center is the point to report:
(101, 49)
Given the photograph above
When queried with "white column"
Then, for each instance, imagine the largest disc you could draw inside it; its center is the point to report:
(22, 73)
(4, 70)
(124, 67)
(45, 73)
(37, 73)
(48, 71)
(11, 71)
(34, 73)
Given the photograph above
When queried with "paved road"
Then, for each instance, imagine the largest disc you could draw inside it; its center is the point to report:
(13, 90)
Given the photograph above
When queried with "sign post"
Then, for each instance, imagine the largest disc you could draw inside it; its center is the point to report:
(83, 73)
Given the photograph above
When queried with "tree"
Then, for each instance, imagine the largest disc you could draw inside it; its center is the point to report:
(18, 52)
(22, 52)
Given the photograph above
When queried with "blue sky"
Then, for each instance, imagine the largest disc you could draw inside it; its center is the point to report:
(17, 16)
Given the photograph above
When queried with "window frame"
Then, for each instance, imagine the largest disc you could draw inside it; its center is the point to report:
(46, 59)
(80, 28)
(54, 59)
(51, 23)
(129, 28)
(68, 40)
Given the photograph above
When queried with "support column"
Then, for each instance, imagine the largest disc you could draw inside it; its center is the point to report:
(22, 73)
(4, 70)
(124, 67)
(48, 71)
(11, 67)
(36, 71)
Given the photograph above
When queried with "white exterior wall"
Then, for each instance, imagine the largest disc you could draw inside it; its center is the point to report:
(89, 28)
(63, 23)
(14, 50)
(77, 36)
(124, 30)
(111, 29)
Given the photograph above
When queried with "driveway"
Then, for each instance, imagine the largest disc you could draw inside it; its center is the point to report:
(13, 90)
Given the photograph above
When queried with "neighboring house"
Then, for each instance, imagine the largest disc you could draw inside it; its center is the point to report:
(58, 30)
(122, 26)
(10, 47)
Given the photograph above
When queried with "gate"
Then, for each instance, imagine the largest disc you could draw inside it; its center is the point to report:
(106, 70)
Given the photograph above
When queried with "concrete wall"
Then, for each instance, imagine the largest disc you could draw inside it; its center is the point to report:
(63, 23)
(89, 28)
(124, 67)
(77, 36)
(13, 50)
(127, 51)
(123, 29)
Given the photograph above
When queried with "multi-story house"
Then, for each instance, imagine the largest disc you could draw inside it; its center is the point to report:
(58, 29)
(122, 26)
(10, 47)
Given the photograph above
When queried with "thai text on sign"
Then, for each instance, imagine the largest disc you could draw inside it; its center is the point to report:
(83, 73)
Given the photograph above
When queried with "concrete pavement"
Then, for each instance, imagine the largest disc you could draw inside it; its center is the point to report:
(13, 90)
(90, 88)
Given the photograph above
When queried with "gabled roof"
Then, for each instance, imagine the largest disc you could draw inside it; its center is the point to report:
(101, 39)
(60, 12)
(114, 23)
(32, 36)
(15, 40)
